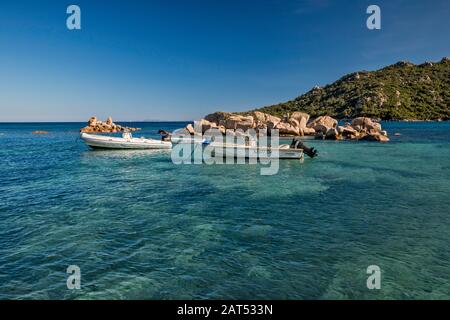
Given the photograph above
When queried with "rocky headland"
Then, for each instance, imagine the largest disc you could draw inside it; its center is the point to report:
(403, 91)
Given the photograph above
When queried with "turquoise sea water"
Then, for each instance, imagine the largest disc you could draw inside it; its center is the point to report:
(140, 227)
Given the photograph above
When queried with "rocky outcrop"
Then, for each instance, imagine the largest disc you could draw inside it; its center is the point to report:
(347, 132)
(296, 124)
(369, 127)
(108, 126)
(238, 122)
(291, 125)
(301, 120)
(321, 128)
(374, 136)
(308, 131)
(288, 128)
(205, 125)
(301, 117)
(324, 127)
(325, 121)
(362, 122)
(360, 129)
(262, 119)
(217, 117)
(332, 134)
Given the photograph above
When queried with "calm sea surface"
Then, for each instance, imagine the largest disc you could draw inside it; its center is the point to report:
(140, 227)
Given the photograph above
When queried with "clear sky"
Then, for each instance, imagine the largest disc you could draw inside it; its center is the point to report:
(179, 60)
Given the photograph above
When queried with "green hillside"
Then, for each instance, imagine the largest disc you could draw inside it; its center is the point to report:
(402, 91)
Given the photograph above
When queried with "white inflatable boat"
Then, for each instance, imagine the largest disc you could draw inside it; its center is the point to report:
(254, 152)
(125, 142)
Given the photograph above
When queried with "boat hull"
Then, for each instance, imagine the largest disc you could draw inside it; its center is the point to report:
(256, 153)
(107, 142)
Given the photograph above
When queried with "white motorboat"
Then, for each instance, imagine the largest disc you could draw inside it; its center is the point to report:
(243, 146)
(250, 147)
(284, 151)
(125, 142)
(247, 148)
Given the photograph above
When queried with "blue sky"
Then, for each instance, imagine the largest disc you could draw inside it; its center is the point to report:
(179, 60)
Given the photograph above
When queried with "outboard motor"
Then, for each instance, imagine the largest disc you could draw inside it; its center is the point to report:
(165, 135)
(298, 144)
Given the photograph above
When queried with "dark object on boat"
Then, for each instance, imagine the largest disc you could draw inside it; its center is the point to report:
(165, 135)
(298, 144)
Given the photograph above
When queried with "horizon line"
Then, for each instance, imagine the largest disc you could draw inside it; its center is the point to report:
(115, 121)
